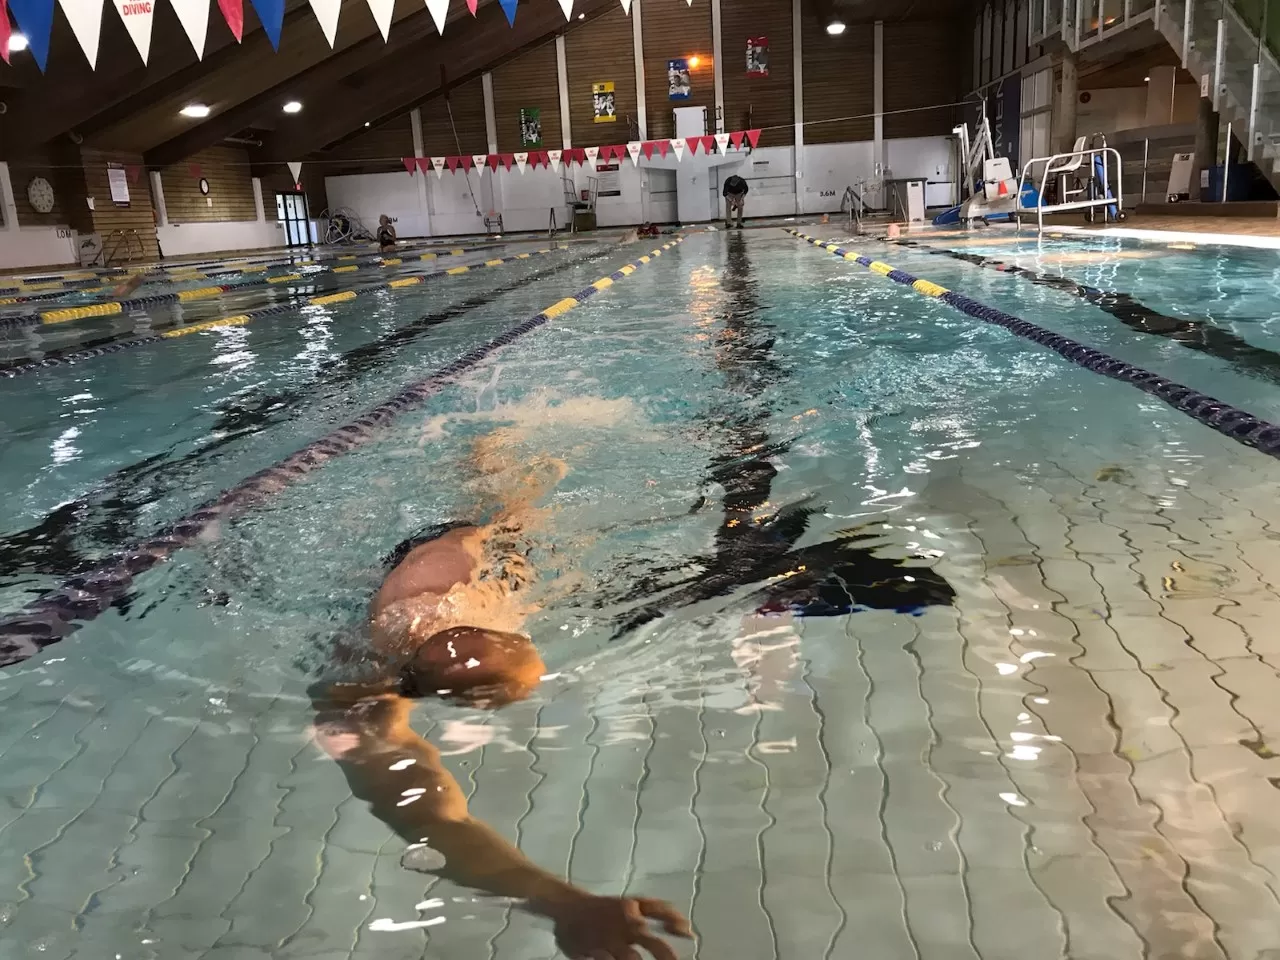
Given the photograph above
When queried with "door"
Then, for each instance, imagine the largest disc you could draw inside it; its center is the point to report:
(291, 212)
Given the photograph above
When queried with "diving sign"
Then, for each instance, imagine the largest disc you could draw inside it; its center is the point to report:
(136, 15)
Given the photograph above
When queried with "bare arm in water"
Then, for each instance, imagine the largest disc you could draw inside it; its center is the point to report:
(446, 622)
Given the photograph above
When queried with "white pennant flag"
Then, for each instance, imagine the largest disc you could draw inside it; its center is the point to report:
(678, 147)
(438, 164)
(722, 141)
(136, 15)
(592, 153)
(567, 7)
(85, 17)
(633, 148)
(553, 156)
(194, 17)
(521, 160)
(626, 7)
(479, 160)
(439, 10)
(382, 10)
(295, 168)
(326, 12)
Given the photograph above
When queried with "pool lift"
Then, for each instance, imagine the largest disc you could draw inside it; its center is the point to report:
(987, 179)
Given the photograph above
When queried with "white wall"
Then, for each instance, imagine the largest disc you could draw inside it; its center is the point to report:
(1125, 108)
(183, 239)
(36, 247)
(369, 195)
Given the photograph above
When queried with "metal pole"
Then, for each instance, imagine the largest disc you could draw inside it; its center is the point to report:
(1226, 162)
(1146, 152)
(1219, 54)
(1186, 32)
(1253, 106)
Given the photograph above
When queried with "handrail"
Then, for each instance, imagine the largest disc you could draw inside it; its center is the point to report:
(1104, 152)
(122, 237)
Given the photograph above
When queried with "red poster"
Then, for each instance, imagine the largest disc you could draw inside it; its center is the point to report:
(757, 56)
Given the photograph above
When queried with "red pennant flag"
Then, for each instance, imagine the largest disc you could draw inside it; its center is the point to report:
(708, 145)
(4, 31)
(692, 143)
(753, 137)
(647, 149)
(493, 161)
(466, 162)
(451, 163)
(471, 5)
(507, 159)
(663, 146)
(736, 139)
(410, 164)
(233, 13)
(196, 173)
(423, 163)
(132, 170)
(620, 151)
(535, 158)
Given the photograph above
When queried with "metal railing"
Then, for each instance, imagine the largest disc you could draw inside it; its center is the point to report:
(129, 240)
(1061, 163)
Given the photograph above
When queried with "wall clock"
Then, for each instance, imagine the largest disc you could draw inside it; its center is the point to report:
(40, 195)
(204, 186)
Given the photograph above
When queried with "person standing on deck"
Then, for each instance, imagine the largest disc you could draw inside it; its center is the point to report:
(735, 199)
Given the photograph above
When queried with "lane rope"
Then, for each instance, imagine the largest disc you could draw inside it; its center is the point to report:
(82, 598)
(1227, 420)
(291, 304)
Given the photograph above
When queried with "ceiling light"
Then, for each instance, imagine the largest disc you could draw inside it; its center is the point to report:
(17, 42)
(1146, 79)
(197, 111)
(366, 123)
(582, 16)
(293, 106)
(694, 61)
(835, 28)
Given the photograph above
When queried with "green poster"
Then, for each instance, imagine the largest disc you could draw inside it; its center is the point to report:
(530, 127)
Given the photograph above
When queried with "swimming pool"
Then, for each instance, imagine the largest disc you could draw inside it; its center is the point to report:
(1053, 740)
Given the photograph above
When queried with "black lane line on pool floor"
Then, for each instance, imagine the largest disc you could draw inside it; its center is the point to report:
(57, 613)
(1239, 425)
(1199, 335)
(55, 546)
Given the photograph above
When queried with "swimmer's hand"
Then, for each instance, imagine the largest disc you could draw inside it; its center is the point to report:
(611, 928)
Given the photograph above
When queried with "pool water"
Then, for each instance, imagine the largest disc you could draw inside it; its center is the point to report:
(1036, 719)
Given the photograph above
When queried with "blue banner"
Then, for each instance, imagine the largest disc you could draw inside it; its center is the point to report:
(35, 18)
(271, 13)
(1004, 112)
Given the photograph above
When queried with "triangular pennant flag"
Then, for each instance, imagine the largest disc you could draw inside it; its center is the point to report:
(633, 148)
(567, 7)
(722, 141)
(553, 157)
(134, 171)
(410, 164)
(478, 159)
(423, 164)
(194, 16)
(382, 10)
(736, 139)
(647, 147)
(471, 5)
(662, 146)
(85, 17)
(136, 16)
(326, 12)
(626, 7)
(509, 8)
(465, 161)
(692, 143)
(708, 144)
(439, 164)
(439, 10)
(5, 31)
(35, 20)
(678, 147)
(522, 159)
(534, 156)
(233, 13)
(295, 168)
(451, 163)
(507, 159)
(591, 153)
(493, 160)
(753, 137)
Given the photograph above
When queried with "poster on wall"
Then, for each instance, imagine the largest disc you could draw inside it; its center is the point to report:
(530, 127)
(679, 86)
(757, 56)
(118, 182)
(603, 105)
(610, 180)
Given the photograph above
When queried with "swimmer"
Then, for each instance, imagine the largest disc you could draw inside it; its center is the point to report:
(448, 622)
(128, 285)
(386, 234)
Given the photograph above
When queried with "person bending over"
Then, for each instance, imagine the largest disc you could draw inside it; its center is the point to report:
(735, 199)
(447, 622)
(386, 234)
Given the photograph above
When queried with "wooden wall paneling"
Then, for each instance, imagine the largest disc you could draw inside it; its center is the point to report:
(230, 187)
(602, 50)
(62, 170)
(107, 217)
(467, 102)
(755, 101)
(672, 30)
(923, 67)
(376, 149)
(839, 81)
(530, 80)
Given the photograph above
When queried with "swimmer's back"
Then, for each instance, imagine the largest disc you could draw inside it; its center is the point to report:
(434, 567)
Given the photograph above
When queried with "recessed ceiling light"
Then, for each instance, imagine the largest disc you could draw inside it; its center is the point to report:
(366, 123)
(293, 106)
(582, 16)
(197, 111)
(1146, 79)
(17, 42)
(835, 28)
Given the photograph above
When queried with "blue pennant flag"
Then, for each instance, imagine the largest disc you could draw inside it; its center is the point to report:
(271, 13)
(35, 18)
(509, 8)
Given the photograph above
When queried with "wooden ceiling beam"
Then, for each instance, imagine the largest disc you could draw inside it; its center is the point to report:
(405, 81)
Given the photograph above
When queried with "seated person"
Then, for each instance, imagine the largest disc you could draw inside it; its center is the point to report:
(386, 234)
(447, 622)
(735, 199)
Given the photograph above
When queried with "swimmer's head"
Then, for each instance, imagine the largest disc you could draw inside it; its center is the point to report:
(473, 665)
(383, 220)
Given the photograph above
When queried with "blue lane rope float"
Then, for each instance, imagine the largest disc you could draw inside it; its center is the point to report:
(1227, 420)
(293, 303)
(58, 613)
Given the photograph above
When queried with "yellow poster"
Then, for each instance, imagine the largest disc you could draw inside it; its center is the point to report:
(603, 105)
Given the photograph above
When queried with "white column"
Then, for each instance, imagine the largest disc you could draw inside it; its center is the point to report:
(157, 198)
(8, 206)
(878, 151)
(420, 178)
(637, 52)
(562, 68)
(490, 118)
(1160, 86)
(797, 80)
(717, 50)
(259, 209)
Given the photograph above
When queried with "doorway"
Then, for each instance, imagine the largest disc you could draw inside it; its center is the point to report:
(291, 212)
